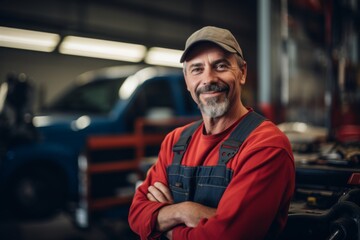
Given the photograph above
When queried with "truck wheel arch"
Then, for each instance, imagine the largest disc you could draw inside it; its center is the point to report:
(37, 189)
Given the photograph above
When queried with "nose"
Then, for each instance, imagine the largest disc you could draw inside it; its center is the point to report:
(209, 76)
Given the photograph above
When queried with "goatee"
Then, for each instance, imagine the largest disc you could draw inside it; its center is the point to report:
(214, 106)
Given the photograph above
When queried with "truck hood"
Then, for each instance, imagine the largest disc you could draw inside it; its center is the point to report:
(62, 123)
(67, 129)
(46, 120)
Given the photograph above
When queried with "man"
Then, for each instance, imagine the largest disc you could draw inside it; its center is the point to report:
(230, 176)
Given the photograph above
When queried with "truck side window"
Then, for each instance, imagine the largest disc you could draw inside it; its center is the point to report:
(153, 95)
(189, 104)
(158, 95)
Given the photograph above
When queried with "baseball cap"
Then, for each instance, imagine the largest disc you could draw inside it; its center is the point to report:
(220, 36)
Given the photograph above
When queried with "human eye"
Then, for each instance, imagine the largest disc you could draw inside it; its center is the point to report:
(196, 70)
(222, 66)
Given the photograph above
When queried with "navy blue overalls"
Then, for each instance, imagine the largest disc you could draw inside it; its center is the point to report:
(206, 184)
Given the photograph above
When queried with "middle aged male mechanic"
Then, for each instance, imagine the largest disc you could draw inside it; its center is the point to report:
(229, 176)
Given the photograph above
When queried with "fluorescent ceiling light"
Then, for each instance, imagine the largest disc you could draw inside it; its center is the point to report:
(29, 40)
(102, 49)
(3, 93)
(164, 56)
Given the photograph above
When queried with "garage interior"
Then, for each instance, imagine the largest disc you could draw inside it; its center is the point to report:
(303, 74)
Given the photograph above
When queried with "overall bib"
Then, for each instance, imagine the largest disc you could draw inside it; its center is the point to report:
(206, 184)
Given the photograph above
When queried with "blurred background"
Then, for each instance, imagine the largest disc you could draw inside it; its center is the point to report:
(89, 88)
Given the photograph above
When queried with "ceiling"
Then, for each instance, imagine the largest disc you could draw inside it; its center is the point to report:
(161, 23)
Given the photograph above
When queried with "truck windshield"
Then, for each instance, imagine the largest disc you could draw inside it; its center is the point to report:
(96, 97)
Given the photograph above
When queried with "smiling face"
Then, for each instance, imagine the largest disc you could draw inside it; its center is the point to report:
(214, 79)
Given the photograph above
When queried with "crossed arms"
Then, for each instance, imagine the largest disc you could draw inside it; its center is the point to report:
(257, 196)
(188, 213)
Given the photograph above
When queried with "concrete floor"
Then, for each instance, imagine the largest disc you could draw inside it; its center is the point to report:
(61, 228)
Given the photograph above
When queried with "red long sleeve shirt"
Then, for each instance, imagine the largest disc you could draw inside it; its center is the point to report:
(257, 197)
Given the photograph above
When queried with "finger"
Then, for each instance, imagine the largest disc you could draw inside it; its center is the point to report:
(165, 190)
(169, 234)
(151, 197)
(157, 194)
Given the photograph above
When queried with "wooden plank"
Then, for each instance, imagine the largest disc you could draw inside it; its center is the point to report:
(113, 166)
(122, 141)
(106, 142)
(109, 202)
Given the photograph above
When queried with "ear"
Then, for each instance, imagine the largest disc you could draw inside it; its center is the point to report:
(243, 73)
(186, 82)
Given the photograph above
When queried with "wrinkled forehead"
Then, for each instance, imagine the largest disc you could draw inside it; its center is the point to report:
(206, 49)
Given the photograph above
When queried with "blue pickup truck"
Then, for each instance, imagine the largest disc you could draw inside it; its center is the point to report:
(40, 176)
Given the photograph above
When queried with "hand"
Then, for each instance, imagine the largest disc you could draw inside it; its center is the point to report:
(187, 213)
(159, 192)
(192, 213)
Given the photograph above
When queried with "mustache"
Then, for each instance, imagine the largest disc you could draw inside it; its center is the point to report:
(212, 87)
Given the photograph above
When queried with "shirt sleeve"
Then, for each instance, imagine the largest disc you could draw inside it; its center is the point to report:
(256, 199)
(143, 213)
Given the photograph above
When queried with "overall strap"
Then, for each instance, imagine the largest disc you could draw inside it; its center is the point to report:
(231, 146)
(180, 147)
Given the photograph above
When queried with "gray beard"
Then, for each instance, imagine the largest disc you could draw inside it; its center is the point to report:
(213, 108)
